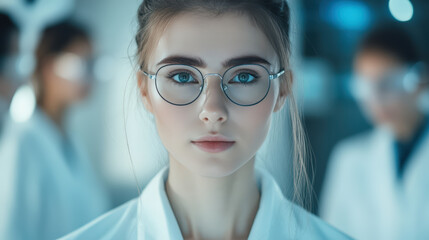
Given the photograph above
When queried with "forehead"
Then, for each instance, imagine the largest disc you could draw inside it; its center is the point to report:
(374, 64)
(80, 46)
(213, 39)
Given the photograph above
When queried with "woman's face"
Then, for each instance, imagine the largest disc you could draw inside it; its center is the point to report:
(392, 106)
(67, 74)
(214, 40)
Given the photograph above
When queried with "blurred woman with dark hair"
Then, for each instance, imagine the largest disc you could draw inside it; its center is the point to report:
(377, 182)
(8, 55)
(49, 186)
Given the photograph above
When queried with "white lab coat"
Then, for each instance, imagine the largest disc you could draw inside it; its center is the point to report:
(364, 197)
(47, 188)
(151, 217)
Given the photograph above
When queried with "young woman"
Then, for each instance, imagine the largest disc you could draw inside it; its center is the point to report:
(48, 187)
(212, 73)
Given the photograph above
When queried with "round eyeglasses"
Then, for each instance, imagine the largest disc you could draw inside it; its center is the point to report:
(244, 85)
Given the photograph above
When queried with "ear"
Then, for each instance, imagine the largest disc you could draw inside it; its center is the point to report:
(285, 88)
(143, 85)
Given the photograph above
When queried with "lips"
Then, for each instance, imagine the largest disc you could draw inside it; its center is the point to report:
(213, 144)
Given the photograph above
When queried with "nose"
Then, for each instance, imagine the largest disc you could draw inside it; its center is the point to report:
(214, 110)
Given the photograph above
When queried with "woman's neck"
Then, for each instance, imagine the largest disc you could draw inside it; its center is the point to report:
(213, 208)
(405, 131)
(54, 110)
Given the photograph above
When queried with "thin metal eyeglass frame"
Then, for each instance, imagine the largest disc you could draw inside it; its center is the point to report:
(204, 76)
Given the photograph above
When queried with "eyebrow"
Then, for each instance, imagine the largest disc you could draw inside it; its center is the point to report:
(198, 62)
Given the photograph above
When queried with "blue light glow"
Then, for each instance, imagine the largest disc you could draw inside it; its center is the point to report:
(401, 10)
(347, 14)
(23, 104)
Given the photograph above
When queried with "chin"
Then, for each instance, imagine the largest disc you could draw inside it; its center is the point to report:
(384, 121)
(215, 168)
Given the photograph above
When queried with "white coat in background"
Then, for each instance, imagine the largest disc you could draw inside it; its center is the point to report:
(151, 217)
(47, 187)
(363, 196)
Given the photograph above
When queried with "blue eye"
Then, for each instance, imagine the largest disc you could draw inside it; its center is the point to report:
(183, 77)
(243, 78)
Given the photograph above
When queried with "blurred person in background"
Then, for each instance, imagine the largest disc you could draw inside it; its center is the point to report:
(9, 79)
(48, 186)
(377, 184)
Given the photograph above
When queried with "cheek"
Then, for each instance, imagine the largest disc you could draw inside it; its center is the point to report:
(172, 122)
(74, 91)
(254, 121)
(405, 107)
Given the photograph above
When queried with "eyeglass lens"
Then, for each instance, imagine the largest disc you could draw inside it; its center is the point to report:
(243, 84)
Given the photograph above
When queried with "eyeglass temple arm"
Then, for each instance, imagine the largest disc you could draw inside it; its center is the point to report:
(151, 76)
(274, 76)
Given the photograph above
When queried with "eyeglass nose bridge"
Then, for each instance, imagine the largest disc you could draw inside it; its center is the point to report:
(223, 86)
(212, 74)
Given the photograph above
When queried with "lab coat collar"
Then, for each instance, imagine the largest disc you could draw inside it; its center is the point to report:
(271, 198)
(155, 216)
(383, 140)
(156, 219)
(50, 130)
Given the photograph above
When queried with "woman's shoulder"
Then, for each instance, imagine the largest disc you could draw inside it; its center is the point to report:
(303, 224)
(122, 222)
(356, 142)
(32, 132)
(279, 218)
(119, 223)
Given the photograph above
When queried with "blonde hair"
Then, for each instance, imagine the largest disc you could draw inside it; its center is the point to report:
(273, 18)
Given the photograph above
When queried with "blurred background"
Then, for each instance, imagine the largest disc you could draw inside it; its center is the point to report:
(118, 136)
